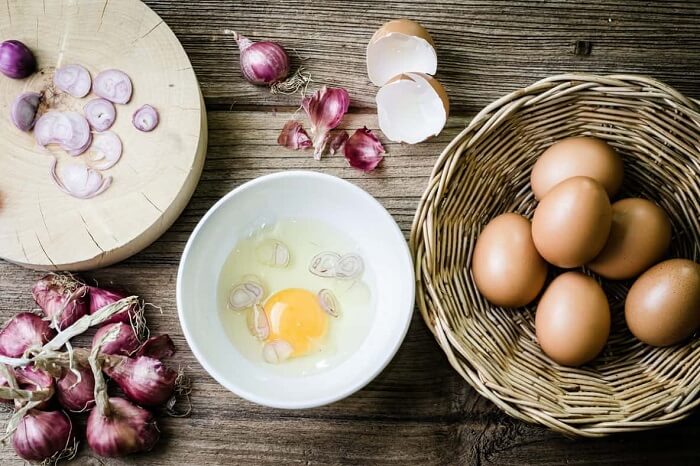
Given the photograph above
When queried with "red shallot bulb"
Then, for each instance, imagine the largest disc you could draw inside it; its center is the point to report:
(23, 110)
(146, 381)
(62, 298)
(121, 429)
(101, 297)
(325, 108)
(262, 63)
(113, 85)
(16, 60)
(125, 341)
(42, 434)
(100, 113)
(73, 79)
(33, 379)
(363, 150)
(158, 347)
(74, 395)
(23, 331)
(145, 118)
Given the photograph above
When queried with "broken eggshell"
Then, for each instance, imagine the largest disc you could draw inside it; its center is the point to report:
(412, 107)
(400, 46)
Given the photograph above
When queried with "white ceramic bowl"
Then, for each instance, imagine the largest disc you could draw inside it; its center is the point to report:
(295, 194)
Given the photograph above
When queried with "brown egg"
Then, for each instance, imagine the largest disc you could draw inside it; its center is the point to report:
(506, 267)
(663, 306)
(580, 156)
(573, 319)
(572, 222)
(639, 235)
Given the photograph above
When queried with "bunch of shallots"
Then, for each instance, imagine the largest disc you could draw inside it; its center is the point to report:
(47, 380)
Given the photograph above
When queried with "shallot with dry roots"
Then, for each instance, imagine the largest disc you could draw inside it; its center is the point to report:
(37, 363)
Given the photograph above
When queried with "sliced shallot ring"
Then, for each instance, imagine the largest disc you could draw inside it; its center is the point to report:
(100, 113)
(113, 85)
(328, 302)
(80, 137)
(277, 351)
(106, 150)
(78, 180)
(258, 324)
(324, 264)
(273, 253)
(49, 124)
(80, 150)
(73, 79)
(145, 118)
(244, 296)
(349, 266)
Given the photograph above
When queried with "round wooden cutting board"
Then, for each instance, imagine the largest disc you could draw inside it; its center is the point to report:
(40, 226)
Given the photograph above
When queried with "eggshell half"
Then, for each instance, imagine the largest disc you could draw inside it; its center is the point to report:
(412, 107)
(400, 46)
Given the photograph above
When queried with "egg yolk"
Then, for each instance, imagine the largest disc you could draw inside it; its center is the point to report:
(296, 316)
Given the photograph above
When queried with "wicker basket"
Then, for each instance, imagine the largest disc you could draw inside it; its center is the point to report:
(484, 172)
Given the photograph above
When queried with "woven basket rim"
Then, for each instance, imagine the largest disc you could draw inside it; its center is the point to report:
(441, 175)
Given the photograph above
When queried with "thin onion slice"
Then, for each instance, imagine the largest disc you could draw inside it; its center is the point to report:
(105, 151)
(52, 126)
(80, 150)
(73, 79)
(400, 46)
(80, 137)
(145, 118)
(80, 181)
(100, 113)
(113, 85)
(412, 107)
(277, 351)
(245, 295)
(258, 325)
(273, 253)
(349, 266)
(328, 302)
(324, 264)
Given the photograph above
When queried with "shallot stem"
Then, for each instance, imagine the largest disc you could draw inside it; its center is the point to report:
(101, 395)
(8, 393)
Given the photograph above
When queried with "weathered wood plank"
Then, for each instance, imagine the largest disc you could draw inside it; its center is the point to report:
(485, 48)
(418, 411)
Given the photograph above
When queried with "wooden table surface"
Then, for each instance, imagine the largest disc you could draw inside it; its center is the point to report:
(418, 411)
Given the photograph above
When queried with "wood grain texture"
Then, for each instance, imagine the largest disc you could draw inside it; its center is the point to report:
(418, 411)
(49, 229)
(485, 48)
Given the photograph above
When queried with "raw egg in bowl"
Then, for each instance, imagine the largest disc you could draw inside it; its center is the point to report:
(298, 280)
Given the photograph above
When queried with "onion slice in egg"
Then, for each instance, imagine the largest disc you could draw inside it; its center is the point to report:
(323, 264)
(349, 266)
(328, 302)
(273, 253)
(257, 322)
(277, 351)
(245, 295)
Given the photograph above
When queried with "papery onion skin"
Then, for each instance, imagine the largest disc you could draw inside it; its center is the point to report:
(125, 343)
(325, 108)
(61, 298)
(100, 113)
(101, 297)
(262, 63)
(113, 85)
(144, 380)
(294, 136)
(42, 434)
(22, 331)
(76, 397)
(337, 141)
(125, 429)
(145, 118)
(16, 60)
(363, 150)
(23, 110)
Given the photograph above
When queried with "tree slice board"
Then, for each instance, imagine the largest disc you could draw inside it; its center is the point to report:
(42, 227)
